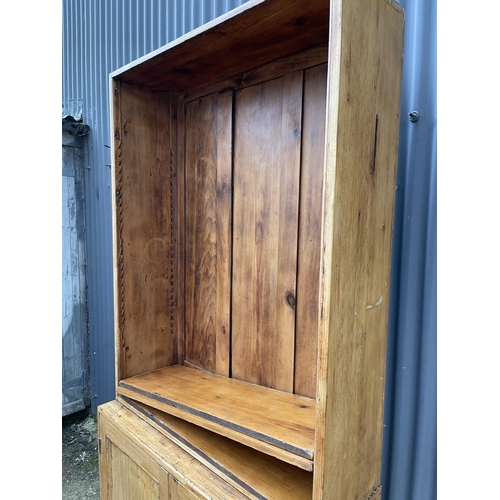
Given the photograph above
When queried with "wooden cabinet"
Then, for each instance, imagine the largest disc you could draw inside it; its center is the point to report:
(136, 462)
(254, 164)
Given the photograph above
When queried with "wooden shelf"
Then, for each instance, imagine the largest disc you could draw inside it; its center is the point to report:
(273, 422)
(253, 473)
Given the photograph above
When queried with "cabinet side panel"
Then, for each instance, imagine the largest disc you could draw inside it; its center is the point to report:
(208, 230)
(144, 183)
(266, 193)
(362, 140)
(309, 252)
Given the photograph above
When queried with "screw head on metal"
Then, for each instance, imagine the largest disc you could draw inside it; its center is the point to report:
(414, 116)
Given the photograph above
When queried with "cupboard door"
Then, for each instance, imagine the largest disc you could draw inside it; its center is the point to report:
(128, 480)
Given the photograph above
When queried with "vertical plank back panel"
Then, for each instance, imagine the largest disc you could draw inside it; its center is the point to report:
(266, 196)
(309, 246)
(145, 136)
(208, 228)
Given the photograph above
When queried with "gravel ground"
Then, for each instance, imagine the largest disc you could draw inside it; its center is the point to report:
(80, 463)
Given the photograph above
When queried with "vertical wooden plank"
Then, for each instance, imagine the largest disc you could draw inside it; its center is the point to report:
(208, 229)
(289, 180)
(309, 253)
(144, 231)
(266, 182)
(224, 230)
(361, 158)
(201, 142)
(191, 184)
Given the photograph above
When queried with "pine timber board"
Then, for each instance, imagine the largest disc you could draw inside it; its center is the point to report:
(274, 422)
(256, 33)
(309, 231)
(364, 74)
(253, 473)
(208, 231)
(145, 185)
(155, 453)
(301, 60)
(268, 120)
(130, 481)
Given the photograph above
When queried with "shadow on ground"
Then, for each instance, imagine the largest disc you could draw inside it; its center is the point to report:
(80, 464)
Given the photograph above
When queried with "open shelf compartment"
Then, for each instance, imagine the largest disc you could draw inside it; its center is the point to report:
(218, 181)
(257, 475)
(274, 422)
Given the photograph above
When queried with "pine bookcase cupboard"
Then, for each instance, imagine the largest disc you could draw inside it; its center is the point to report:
(254, 166)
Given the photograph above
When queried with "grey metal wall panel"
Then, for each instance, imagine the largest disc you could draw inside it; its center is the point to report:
(410, 441)
(100, 36)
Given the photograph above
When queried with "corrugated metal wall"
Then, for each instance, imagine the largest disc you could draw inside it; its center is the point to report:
(410, 437)
(100, 36)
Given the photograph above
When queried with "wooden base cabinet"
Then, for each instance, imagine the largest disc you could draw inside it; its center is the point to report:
(147, 454)
(136, 462)
(254, 167)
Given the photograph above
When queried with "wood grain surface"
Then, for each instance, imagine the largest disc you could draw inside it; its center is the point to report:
(255, 474)
(145, 139)
(261, 33)
(304, 59)
(266, 200)
(208, 231)
(129, 480)
(156, 454)
(309, 243)
(365, 66)
(263, 418)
